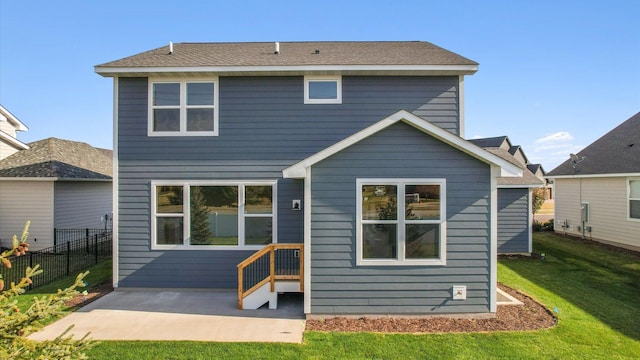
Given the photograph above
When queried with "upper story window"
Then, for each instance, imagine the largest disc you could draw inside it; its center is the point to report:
(323, 90)
(401, 222)
(634, 199)
(183, 108)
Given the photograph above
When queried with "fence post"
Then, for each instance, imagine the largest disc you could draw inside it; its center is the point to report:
(68, 257)
(55, 236)
(95, 245)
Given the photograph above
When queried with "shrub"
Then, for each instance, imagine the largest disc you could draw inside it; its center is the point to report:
(16, 325)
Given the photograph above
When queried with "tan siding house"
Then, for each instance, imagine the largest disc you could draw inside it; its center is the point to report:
(54, 184)
(595, 190)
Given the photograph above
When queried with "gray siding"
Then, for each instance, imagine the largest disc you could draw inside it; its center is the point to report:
(338, 286)
(264, 128)
(82, 204)
(513, 221)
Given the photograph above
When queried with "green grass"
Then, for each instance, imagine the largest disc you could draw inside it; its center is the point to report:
(595, 290)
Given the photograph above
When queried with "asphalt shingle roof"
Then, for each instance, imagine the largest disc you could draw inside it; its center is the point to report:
(293, 54)
(62, 159)
(617, 152)
(494, 146)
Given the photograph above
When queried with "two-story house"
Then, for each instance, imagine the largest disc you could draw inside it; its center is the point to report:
(342, 163)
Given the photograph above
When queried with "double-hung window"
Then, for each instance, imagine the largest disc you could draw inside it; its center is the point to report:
(323, 90)
(183, 108)
(634, 199)
(401, 221)
(213, 215)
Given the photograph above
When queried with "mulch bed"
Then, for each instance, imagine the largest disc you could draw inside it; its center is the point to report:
(95, 293)
(530, 316)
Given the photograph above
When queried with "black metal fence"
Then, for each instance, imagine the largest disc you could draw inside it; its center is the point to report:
(65, 258)
(61, 236)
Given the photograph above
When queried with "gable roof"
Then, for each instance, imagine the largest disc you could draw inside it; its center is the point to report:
(293, 56)
(299, 169)
(12, 119)
(616, 152)
(495, 145)
(60, 160)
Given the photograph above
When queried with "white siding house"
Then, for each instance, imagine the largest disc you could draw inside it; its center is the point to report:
(54, 184)
(597, 191)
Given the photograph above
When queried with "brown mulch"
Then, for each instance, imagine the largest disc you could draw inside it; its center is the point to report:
(530, 316)
(96, 292)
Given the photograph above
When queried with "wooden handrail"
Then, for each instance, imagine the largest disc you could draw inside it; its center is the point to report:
(272, 277)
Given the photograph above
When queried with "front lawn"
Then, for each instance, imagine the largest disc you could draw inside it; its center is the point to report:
(594, 290)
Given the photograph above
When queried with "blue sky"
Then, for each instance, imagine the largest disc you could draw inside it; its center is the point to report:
(554, 75)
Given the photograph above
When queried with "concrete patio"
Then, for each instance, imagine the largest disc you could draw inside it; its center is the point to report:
(195, 315)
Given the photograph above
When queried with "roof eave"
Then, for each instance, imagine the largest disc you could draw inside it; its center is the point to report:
(576, 176)
(13, 141)
(299, 169)
(16, 123)
(433, 70)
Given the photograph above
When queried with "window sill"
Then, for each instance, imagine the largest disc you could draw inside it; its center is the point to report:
(208, 247)
(426, 262)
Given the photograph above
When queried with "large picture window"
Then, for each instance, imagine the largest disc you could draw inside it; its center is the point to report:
(213, 215)
(401, 222)
(634, 199)
(183, 108)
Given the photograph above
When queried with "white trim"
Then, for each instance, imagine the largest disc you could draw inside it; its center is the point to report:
(521, 186)
(629, 218)
(17, 178)
(297, 170)
(330, 78)
(115, 216)
(594, 176)
(493, 242)
(307, 242)
(185, 214)
(461, 105)
(530, 215)
(400, 183)
(17, 124)
(13, 141)
(426, 69)
(183, 107)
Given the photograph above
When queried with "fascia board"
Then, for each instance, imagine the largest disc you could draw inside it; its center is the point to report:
(108, 71)
(298, 170)
(13, 141)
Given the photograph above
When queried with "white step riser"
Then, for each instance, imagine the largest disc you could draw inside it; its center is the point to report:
(264, 295)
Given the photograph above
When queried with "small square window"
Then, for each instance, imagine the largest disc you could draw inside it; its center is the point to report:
(322, 90)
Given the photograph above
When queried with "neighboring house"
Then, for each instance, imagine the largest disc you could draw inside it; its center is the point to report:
(55, 184)
(354, 149)
(515, 216)
(597, 191)
(9, 126)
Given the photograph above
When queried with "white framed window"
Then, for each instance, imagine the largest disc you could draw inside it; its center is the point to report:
(401, 222)
(634, 198)
(213, 215)
(323, 90)
(183, 107)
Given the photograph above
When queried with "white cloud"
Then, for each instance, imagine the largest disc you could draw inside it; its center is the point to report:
(553, 149)
(555, 137)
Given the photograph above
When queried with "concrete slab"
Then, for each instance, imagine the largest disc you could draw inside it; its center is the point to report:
(197, 315)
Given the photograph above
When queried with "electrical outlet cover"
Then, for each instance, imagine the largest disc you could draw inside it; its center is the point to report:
(459, 292)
